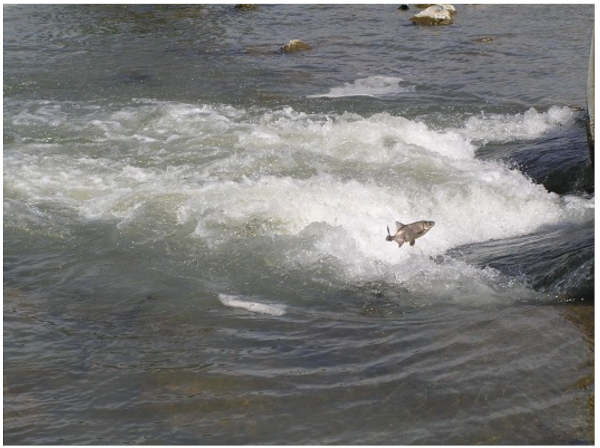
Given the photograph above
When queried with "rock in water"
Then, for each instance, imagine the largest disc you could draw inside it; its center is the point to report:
(484, 40)
(246, 7)
(403, 7)
(295, 45)
(427, 5)
(450, 8)
(435, 15)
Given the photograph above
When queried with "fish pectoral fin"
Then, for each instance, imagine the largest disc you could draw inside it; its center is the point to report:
(412, 242)
(400, 243)
(399, 225)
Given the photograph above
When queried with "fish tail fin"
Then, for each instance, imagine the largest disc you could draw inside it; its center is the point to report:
(389, 236)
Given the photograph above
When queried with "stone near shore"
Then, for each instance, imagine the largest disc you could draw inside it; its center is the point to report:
(435, 15)
(295, 45)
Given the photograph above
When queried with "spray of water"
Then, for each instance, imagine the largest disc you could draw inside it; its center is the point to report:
(331, 182)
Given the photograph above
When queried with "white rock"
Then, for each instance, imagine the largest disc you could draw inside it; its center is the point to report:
(450, 8)
(435, 15)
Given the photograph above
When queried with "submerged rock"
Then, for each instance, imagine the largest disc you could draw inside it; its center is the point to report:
(435, 15)
(262, 49)
(484, 40)
(295, 45)
(246, 7)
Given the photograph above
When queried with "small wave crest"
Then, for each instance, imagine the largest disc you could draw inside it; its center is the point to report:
(371, 86)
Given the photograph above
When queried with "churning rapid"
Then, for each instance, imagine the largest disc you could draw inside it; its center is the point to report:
(321, 188)
(213, 267)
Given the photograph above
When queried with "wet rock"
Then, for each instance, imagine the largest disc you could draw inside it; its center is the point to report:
(484, 40)
(246, 7)
(259, 50)
(403, 7)
(450, 8)
(435, 15)
(295, 45)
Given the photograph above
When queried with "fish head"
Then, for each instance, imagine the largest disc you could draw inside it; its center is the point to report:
(428, 224)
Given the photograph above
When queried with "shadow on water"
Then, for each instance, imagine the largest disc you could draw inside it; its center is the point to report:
(555, 261)
(560, 161)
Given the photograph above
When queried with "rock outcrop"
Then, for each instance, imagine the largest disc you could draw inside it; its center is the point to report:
(435, 15)
(295, 45)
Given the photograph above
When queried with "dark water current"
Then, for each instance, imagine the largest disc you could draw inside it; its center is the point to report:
(194, 226)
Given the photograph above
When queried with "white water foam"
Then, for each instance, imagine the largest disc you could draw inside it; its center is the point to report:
(254, 307)
(331, 182)
(371, 86)
(524, 126)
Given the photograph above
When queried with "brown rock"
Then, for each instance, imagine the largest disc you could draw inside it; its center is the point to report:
(246, 7)
(484, 39)
(295, 45)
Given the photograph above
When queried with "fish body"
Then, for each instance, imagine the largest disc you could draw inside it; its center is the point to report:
(409, 232)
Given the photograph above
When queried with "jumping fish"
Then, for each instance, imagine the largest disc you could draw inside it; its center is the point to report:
(409, 232)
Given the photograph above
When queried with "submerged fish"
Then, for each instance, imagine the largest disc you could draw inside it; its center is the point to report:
(255, 307)
(409, 232)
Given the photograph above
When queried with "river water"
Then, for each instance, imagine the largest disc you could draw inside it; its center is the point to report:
(194, 226)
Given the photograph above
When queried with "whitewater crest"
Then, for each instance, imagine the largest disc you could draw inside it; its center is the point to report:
(319, 188)
(531, 124)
